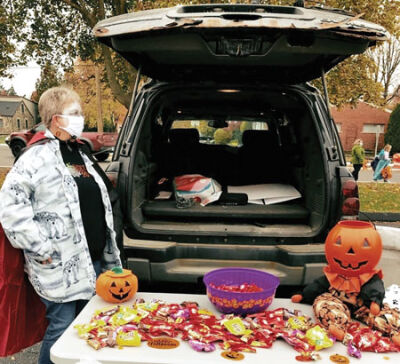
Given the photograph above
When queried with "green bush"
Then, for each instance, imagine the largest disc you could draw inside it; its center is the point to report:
(392, 135)
(205, 130)
(222, 136)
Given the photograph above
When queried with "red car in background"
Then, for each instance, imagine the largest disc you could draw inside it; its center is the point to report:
(100, 144)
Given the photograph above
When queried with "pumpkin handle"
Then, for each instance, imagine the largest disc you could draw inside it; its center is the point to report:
(117, 270)
(369, 219)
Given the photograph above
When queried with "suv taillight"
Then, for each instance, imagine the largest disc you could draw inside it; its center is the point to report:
(351, 202)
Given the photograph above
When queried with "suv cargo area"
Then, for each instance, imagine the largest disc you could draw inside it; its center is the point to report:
(229, 100)
(277, 141)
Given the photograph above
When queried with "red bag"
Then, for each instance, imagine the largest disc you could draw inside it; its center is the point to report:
(22, 313)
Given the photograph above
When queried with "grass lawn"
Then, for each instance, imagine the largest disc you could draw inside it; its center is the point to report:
(2, 138)
(379, 197)
(374, 197)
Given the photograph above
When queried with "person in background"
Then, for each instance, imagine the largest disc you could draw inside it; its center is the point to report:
(384, 161)
(357, 157)
(55, 206)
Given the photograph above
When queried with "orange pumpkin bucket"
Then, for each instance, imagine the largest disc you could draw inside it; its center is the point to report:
(117, 285)
(353, 248)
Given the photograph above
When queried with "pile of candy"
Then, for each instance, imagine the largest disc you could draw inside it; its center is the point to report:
(243, 288)
(361, 338)
(143, 321)
(130, 325)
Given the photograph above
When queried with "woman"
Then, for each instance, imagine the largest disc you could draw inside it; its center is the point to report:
(55, 206)
(357, 157)
(384, 161)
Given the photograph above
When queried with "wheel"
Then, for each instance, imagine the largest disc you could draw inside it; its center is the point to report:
(101, 157)
(16, 147)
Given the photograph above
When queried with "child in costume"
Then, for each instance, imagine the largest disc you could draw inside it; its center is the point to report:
(351, 285)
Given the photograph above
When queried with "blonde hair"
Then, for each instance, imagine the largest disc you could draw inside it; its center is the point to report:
(357, 141)
(53, 102)
(387, 147)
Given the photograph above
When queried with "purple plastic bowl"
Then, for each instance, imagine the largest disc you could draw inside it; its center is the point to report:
(237, 302)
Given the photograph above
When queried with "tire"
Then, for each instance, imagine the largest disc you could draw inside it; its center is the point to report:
(101, 157)
(16, 147)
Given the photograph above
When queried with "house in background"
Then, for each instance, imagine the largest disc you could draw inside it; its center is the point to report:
(17, 113)
(366, 122)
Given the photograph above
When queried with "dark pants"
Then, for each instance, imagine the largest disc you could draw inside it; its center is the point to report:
(357, 168)
(60, 316)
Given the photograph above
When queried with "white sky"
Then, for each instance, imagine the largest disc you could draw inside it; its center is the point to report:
(24, 79)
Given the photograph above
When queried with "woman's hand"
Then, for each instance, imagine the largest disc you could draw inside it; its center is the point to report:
(47, 261)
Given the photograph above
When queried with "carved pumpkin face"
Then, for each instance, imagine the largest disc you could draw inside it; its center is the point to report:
(353, 248)
(117, 285)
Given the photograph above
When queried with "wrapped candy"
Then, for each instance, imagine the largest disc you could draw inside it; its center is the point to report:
(85, 329)
(200, 346)
(318, 337)
(366, 339)
(236, 327)
(124, 316)
(242, 288)
(298, 344)
(96, 344)
(299, 322)
(353, 351)
(149, 306)
(181, 314)
(130, 338)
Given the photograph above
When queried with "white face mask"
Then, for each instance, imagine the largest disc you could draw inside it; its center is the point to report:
(75, 125)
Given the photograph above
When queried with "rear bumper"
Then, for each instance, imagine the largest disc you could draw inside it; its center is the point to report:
(159, 261)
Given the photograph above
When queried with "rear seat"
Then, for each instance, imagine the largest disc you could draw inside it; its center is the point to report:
(260, 159)
(183, 152)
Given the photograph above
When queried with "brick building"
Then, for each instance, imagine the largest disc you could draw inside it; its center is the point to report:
(17, 113)
(366, 122)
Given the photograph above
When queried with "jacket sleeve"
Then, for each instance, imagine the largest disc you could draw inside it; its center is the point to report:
(313, 290)
(17, 215)
(373, 291)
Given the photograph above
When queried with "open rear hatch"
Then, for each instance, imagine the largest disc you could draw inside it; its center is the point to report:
(237, 42)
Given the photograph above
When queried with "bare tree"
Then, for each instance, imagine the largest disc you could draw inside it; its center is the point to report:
(387, 60)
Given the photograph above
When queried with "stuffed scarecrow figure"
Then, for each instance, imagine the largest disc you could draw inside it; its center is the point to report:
(352, 286)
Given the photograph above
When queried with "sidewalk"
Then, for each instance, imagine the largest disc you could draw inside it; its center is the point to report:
(390, 234)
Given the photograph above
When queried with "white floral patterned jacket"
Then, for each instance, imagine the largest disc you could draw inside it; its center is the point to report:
(40, 213)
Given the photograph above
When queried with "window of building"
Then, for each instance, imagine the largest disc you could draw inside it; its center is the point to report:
(373, 128)
(26, 123)
(18, 124)
(339, 127)
(23, 108)
(1, 123)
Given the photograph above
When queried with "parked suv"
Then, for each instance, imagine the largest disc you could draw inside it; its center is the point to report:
(242, 69)
(100, 144)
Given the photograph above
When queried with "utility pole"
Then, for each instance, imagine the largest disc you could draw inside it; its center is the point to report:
(376, 140)
(98, 98)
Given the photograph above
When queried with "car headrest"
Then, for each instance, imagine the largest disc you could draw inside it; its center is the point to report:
(184, 136)
(257, 138)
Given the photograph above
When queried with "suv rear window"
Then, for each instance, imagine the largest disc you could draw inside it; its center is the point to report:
(215, 131)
